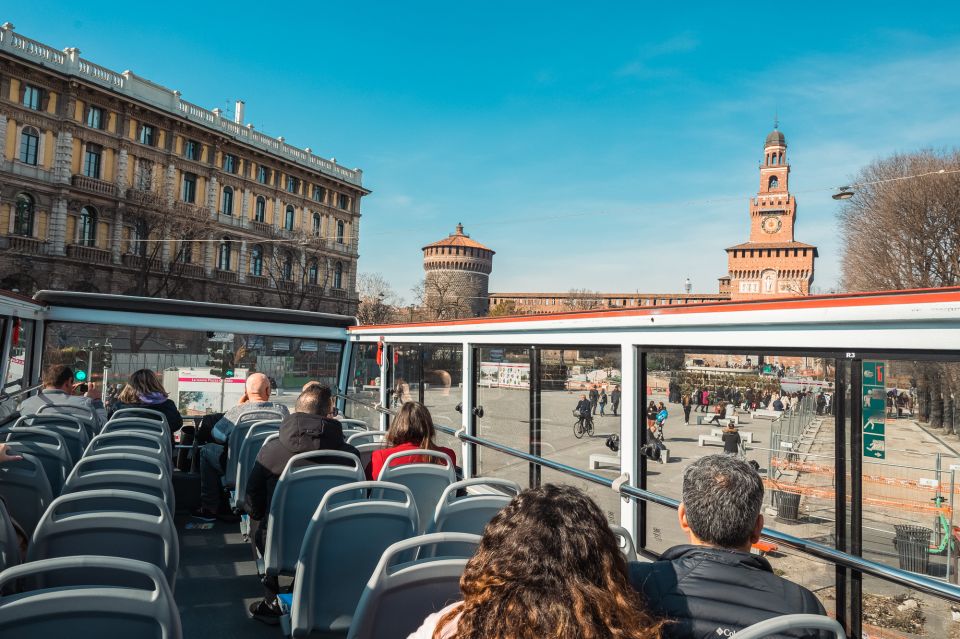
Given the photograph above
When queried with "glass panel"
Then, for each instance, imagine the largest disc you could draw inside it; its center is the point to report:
(364, 385)
(20, 361)
(443, 389)
(181, 358)
(503, 393)
(567, 378)
(406, 375)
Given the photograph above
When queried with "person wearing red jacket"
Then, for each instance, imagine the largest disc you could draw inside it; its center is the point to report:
(411, 429)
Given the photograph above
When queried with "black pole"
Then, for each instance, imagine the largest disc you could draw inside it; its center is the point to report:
(535, 399)
(840, 481)
(856, 493)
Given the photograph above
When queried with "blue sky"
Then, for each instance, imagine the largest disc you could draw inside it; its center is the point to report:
(605, 145)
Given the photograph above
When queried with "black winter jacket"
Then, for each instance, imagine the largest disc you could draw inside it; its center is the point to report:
(299, 433)
(713, 593)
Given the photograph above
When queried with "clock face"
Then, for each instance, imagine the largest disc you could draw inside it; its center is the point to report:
(771, 224)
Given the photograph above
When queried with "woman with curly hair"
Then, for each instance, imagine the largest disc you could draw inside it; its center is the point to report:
(548, 567)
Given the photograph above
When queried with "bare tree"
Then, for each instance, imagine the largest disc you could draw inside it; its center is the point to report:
(297, 273)
(439, 298)
(377, 300)
(504, 308)
(905, 233)
(582, 299)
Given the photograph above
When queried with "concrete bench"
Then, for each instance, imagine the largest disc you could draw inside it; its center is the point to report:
(745, 436)
(705, 419)
(765, 413)
(703, 440)
(598, 459)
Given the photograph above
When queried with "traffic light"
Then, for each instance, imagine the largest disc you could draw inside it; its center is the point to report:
(106, 356)
(220, 361)
(80, 366)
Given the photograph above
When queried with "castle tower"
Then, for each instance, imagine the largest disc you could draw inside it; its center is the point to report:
(457, 280)
(772, 263)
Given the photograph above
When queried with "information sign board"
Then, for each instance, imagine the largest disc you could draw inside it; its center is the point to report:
(874, 410)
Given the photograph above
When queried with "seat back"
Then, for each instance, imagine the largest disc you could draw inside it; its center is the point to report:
(258, 435)
(25, 490)
(366, 437)
(48, 446)
(235, 443)
(366, 451)
(783, 623)
(137, 423)
(136, 411)
(86, 415)
(400, 593)
(301, 487)
(341, 548)
(353, 424)
(426, 481)
(9, 544)
(95, 610)
(73, 431)
(76, 524)
(469, 513)
(133, 442)
(625, 540)
(122, 471)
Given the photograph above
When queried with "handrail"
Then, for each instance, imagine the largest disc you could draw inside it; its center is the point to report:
(5, 396)
(812, 548)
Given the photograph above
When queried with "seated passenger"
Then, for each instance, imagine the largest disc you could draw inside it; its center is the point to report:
(213, 455)
(144, 390)
(59, 390)
(548, 565)
(713, 586)
(411, 429)
(311, 427)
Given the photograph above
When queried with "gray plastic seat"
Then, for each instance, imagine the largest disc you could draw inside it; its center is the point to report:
(48, 446)
(426, 481)
(235, 443)
(625, 541)
(256, 437)
(77, 524)
(366, 437)
(73, 431)
(95, 610)
(122, 471)
(353, 424)
(341, 548)
(777, 625)
(300, 489)
(9, 544)
(25, 490)
(86, 415)
(136, 411)
(400, 594)
(133, 442)
(137, 423)
(471, 512)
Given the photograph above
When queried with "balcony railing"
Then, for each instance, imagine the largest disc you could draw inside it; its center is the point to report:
(93, 185)
(227, 276)
(191, 270)
(144, 197)
(22, 244)
(138, 261)
(188, 209)
(89, 254)
(338, 293)
(258, 281)
(261, 227)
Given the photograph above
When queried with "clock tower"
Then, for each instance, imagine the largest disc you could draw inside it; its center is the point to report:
(772, 263)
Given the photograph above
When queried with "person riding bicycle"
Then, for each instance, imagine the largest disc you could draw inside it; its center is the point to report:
(583, 411)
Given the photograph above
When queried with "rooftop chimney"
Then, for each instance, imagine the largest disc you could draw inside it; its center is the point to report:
(238, 112)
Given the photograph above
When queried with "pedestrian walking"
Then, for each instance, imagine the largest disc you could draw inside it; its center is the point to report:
(651, 416)
(594, 399)
(687, 405)
(615, 399)
(704, 400)
(603, 401)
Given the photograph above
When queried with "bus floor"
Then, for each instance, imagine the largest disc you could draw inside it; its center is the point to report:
(216, 583)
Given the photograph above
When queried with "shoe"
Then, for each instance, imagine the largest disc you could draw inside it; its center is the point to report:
(203, 514)
(265, 613)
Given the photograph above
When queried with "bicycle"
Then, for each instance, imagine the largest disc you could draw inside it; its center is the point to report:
(942, 528)
(583, 425)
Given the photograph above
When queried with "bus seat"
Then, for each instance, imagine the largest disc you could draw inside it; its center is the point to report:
(25, 490)
(471, 512)
(426, 481)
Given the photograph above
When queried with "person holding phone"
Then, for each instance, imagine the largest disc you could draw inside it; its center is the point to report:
(59, 390)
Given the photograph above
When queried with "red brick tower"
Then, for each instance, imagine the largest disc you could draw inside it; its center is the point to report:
(772, 263)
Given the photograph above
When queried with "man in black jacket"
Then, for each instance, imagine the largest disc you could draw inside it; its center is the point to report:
(714, 587)
(309, 428)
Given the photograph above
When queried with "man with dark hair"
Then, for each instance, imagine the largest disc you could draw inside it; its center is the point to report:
(714, 587)
(59, 391)
(311, 427)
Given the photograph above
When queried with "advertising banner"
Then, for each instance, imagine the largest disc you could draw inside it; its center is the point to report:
(504, 375)
(200, 393)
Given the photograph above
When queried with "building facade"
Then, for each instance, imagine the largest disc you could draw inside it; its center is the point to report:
(456, 276)
(772, 263)
(541, 303)
(114, 184)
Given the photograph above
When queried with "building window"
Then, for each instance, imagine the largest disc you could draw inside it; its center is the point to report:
(144, 177)
(148, 135)
(286, 272)
(256, 260)
(229, 163)
(343, 201)
(88, 226)
(263, 175)
(260, 210)
(225, 255)
(289, 218)
(141, 233)
(185, 252)
(774, 183)
(316, 224)
(23, 217)
(91, 160)
(293, 184)
(339, 231)
(338, 276)
(95, 117)
(227, 206)
(191, 150)
(313, 272)
(32, 96)
(319, 193)
(189, 190)
(29, 145)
